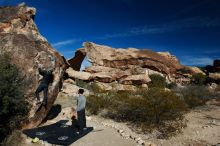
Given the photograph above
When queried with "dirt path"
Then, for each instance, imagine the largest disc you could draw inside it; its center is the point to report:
(100, 136)
(103, 136)
(203, 129)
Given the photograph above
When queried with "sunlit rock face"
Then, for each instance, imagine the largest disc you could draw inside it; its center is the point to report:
(131, 65)
(21, 40)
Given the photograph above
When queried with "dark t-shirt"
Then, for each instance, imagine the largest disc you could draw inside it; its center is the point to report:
(47, 76)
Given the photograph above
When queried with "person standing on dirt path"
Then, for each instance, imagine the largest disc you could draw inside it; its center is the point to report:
(81, 105)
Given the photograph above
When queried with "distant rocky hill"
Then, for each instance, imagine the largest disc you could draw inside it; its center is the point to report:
(20, 38)
(213, 71)
(128, 66)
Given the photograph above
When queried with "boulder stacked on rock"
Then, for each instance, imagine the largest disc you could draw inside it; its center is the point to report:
(21, 40)
(127, 66)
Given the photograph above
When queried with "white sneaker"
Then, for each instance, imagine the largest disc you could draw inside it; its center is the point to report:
(77, 132)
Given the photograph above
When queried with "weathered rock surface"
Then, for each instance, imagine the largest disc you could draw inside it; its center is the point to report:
(130, 66)
(21, 39)
(215, 76)
(117, 86)
(76, 62)
(136, 79)
(68, 93)
(195, 70)
(78, 75)
(70, 88)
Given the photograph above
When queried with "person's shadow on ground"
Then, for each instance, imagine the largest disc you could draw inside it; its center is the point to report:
(54, 112)
(58, 133)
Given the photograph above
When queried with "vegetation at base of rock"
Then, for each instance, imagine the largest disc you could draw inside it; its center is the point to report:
(144, 109)
(13, 108)
(157, 81)
(81, 83)
(194, 95)
(14, 139)
(199, 79)
(155, 108)
(92, 86)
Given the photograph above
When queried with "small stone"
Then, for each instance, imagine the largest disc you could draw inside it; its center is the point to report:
(147, 143)
(120, 131)
(137, 138)
(122, 134)
(126, 136)
(132, 136)
(28, 140)
(141, 142)
(89, 118)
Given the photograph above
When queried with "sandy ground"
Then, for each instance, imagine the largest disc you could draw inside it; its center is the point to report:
(103, 136)
(203, 129)
(100, 136)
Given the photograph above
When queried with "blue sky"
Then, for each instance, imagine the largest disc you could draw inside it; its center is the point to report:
(189, 29)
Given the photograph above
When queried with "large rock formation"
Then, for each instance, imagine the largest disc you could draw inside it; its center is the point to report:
(130, 66)
(213, 68)
(21, 39)
(216, 65)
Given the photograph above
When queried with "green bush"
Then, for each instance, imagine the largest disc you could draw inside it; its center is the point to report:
(145, 109)
(14, 139)
(81, 83)
(157, 81)
(164, 105)
(13, 107)
(195, 95)
(92, 86)
(96, 103)
(199, 79)
(172, 85)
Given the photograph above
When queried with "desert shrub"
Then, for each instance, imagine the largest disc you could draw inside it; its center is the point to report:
(171, 85)
(164, 105)
(81, 83)
(199, 79)
(92, 86)
(183, 71)
(195, 95)
(145, 109)
(218, 93)
(95, 103)
(217, 88)
(13, 107)
(157, 81)
(87, 44)
(15, 139)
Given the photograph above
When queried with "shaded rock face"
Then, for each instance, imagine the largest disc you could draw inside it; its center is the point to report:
(130, 66)
(216, 66)
(27, 48)
(213, 68)
(76, 62)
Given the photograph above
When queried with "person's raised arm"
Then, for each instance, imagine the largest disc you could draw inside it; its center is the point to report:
(41, 71)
